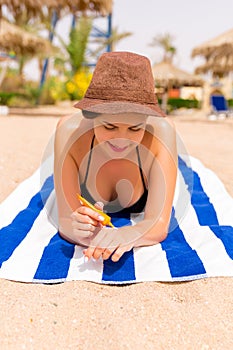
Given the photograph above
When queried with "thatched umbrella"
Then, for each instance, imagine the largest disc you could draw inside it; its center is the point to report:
(218, 53)
(166, 75)
(35, 8)
(221, 43)
(219, 65)
(21, 42)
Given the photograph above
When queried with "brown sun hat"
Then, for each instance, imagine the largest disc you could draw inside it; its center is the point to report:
(122, 82)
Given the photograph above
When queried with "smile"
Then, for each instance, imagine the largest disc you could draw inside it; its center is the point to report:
(117, 148)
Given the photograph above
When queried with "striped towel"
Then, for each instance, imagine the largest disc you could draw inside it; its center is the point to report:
(199, 243)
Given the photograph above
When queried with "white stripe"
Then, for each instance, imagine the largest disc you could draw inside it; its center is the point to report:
(80, 270)
(209, 248)
(216, 191)
(23, 263)
(19, 199)
(23, 193)
(150, 262)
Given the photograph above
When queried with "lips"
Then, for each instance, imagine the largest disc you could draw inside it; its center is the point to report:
(116, 148)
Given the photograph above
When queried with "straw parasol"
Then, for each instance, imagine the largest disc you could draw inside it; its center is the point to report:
(35, 8)
(221, 43)
(219, 65)
(218, 54)
(21, 42)
(167, 75)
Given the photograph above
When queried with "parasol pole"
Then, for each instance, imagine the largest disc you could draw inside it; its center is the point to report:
(51, 35)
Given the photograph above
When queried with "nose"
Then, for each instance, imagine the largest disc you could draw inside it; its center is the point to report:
(123, 134)
(120, 141)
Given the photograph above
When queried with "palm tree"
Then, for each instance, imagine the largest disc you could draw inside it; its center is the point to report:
(76, 48)
(165, 41)
(112, 41)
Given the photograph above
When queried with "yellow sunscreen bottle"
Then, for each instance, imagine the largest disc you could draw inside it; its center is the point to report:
(107, 219)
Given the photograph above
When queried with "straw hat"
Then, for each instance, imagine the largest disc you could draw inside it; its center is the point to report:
(122, 82)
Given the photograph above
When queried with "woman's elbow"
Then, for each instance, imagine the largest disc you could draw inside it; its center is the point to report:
(159, 233)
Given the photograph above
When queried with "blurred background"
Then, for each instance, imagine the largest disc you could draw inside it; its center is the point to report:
(48, 49)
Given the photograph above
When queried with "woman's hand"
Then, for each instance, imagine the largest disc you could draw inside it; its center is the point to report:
(86, 222)
(112, 242)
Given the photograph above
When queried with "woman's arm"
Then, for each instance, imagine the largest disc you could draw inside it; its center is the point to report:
(64, 170)
(66, 182)
(161, 186)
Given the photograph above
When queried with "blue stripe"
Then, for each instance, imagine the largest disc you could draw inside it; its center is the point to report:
(13, 234)
(122, 270)
(182, 259)
(200, 201)
(55, 261)
(205, 211)
(225, 234)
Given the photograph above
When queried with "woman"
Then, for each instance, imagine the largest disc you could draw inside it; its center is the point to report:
(121, 156)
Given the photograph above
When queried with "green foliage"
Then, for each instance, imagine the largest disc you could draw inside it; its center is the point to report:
(175, 103)
(77, 45)
(20, 101)
(53, 90)
(15, 91)
(5, 97)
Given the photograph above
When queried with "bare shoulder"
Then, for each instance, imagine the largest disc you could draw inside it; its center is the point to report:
(70, 129)
(72, 126)
(159, 126)
(162, 135)
(69, 122)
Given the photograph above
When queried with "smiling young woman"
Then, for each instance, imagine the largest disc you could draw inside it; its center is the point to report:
(121, 156)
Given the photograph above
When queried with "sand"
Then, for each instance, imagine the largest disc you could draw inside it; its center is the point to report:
(84, 315)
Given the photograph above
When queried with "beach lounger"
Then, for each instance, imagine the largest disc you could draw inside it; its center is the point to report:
(219, 106)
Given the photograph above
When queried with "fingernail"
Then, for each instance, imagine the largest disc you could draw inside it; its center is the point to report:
(86, 259)
(101, 218)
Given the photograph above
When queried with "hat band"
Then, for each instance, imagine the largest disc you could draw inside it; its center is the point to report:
(145, 97)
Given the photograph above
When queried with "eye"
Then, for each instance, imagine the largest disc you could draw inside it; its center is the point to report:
(109, 127)
(135, 128)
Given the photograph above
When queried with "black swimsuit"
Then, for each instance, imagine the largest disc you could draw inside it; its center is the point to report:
(137, 207)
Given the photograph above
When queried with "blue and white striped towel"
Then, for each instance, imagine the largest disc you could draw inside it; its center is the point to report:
(199, 244)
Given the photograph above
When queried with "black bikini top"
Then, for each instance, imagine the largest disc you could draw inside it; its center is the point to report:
(114, 210)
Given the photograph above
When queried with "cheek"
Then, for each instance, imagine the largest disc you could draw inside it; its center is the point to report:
(137, 137)
(101, 134)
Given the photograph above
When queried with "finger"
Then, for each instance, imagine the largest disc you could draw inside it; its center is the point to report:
(82, 234)
(79, 217)
(119, 252)
(99, 205)
(83, 226)
(107, 253)
(97, 253)
(91, 213)
(89, 252)
(103, 240)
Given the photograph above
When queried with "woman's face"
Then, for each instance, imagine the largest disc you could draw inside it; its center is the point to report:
(119, 133)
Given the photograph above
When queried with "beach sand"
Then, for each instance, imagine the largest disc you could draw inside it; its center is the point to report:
(83, 315)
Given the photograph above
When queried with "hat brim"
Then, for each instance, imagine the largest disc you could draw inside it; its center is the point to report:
(117, 107)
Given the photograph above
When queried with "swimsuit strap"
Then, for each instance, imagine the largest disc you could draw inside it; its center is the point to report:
(140, 169)
(89, 160)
